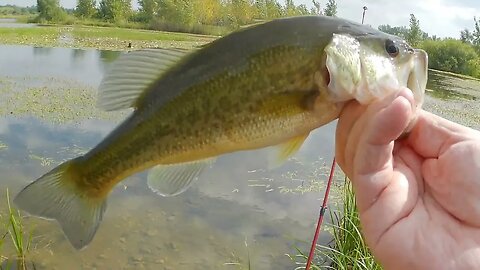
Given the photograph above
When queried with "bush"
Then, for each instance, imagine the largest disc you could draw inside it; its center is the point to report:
(452, 55)
(164, 25)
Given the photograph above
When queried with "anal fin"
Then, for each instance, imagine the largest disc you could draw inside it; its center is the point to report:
(171, 180)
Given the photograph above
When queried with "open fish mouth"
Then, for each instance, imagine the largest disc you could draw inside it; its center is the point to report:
(418, 76)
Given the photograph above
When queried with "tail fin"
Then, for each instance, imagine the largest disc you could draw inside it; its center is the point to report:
(56, 196)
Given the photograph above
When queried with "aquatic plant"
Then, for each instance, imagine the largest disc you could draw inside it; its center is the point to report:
(21, 239)
(347, 250)
(237, 261)
(2, 241)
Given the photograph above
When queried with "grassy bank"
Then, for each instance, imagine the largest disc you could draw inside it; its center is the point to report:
(347, 250)
(457, 75)
(14, 233)
(103, 38)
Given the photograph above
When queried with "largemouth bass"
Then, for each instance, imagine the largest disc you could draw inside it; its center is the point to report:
(270, 84)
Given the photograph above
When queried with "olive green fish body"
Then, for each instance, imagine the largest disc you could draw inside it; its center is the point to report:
(234, 110)
(267, 85)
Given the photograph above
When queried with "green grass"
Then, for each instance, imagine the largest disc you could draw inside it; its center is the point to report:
(21, 239)
(132, 34)
(348, 250)
(4, 234)
(18, 18)
(36, 32)
(104, 38)
(39, 36)
(13, 232)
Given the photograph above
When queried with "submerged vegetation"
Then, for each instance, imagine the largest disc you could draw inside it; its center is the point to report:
(55, 100)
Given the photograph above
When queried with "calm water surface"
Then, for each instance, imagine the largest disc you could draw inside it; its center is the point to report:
(237, 212)
(12, 23)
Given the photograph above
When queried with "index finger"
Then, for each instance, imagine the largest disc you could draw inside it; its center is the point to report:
(433, 134)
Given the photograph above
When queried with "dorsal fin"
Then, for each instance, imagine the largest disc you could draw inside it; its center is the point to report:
(131, 75)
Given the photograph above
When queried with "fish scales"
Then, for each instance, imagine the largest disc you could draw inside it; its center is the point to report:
(267, 85)
(241, 111)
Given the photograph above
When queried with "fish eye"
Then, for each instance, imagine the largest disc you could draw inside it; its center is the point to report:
(391, 48)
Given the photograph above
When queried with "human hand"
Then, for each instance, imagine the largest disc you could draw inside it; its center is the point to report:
(418, 197)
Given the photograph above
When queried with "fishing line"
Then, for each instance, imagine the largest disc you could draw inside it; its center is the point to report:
(320, 217)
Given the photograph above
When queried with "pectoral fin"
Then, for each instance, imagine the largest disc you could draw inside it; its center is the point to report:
(285, 150)
(171, 180)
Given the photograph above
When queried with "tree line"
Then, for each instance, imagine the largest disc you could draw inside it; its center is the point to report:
(159, 14)
(17, 11)
(458, 55)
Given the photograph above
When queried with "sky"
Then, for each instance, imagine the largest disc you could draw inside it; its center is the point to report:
(444, 18)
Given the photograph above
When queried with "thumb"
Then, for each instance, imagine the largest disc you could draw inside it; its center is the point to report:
(373, 161)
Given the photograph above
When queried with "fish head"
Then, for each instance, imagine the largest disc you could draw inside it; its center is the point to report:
(373, 65)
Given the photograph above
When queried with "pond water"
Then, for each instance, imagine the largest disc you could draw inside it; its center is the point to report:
(454, 97)
(237, 214)
(12, 23)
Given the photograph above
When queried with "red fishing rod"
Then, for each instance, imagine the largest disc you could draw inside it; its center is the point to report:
(320, 217)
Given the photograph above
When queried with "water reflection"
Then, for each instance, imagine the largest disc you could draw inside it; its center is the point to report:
(78, 54)
(12, 23)
(447, 86)
(235, 202)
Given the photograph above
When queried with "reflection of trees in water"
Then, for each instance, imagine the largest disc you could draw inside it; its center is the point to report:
(106, 58)
(78, 54)
(41, 51)
(443, 86)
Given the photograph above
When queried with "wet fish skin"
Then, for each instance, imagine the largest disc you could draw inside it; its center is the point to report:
(262, 86)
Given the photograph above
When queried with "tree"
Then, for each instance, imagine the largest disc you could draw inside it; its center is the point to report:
(290, 8)
(476, 32)
(330, 8)
(208, 11)
(302, 10)
(148, 8)
(273, 9)
(316, 8)
(452, 55)
(466, 36)
(260, 9)
(414, 35)
(179, 12)
(115, 10)
(400, 31)
(50, 10)
(241, 12)
(85, 8)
